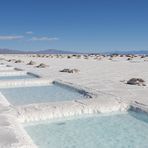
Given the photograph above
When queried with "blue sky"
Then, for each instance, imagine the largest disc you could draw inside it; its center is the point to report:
(79, 25)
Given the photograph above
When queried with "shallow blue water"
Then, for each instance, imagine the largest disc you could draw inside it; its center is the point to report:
(111, 131)
(27, 76)
(38, 94)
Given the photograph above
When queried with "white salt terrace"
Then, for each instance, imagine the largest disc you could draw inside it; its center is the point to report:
(102, 79)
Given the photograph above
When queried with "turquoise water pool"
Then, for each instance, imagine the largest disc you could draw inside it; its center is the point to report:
(39, 94)
(27, 76)
(129, 130)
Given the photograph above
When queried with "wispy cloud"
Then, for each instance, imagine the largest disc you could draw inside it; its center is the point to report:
(11, 37)
(44, 38)
(29, 32)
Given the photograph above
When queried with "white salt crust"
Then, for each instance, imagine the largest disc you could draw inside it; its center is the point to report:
(103, 79)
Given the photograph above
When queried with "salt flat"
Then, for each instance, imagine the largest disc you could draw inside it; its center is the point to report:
(103, 75)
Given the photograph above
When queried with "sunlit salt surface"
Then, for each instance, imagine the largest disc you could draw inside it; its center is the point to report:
(38, 94)
(111, 131)
(27, 76)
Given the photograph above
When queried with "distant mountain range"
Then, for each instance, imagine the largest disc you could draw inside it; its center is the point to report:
(129, 52)
(48, 51)
(9, 51)
(55, 51)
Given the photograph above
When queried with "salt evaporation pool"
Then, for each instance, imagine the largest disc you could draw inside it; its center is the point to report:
(40, 94)
(101, 131)
(26, 76)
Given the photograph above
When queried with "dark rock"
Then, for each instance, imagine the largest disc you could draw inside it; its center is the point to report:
(136, 81)
(18, 61)
(70, 70)
(31, 63)
(42, 65)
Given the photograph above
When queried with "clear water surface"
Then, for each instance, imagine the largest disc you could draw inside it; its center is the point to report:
(111, 131)
(39, 94)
